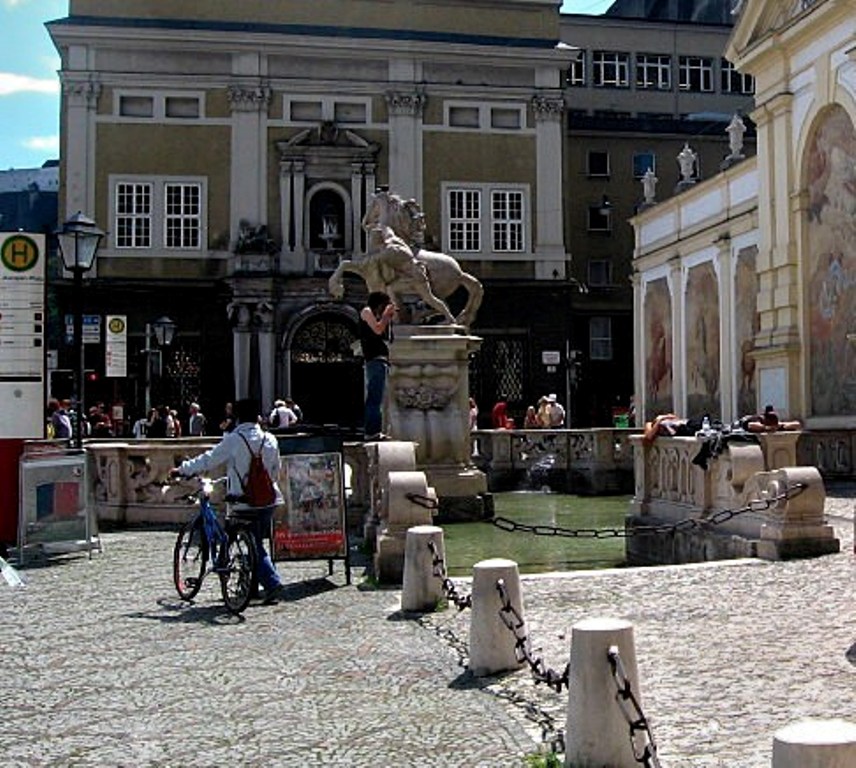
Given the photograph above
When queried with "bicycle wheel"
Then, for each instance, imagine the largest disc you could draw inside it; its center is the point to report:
(189, 559)
(236, 575)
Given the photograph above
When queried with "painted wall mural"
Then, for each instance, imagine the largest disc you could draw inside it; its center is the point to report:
(658, 349)
(747, 323)
(702, 341)
(830, 265)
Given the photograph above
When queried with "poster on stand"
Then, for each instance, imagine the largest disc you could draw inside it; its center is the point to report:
(311, 522)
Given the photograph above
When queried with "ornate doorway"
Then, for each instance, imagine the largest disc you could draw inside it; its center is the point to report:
(326, 377)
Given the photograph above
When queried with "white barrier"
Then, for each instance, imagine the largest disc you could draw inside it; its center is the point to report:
(491, 642)
(596, 731)
(421, 590)
(815, 744)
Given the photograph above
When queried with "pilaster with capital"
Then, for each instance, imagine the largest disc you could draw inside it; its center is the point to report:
(80, 91)
(550, 253)
(240, 318)
(405, 140)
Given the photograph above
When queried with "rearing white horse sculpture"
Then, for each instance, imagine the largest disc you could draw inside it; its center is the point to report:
(396, 263)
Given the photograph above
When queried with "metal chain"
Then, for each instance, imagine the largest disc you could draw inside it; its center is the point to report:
(636, 719)
(717, 518)
(438, 564)
(513, 621)
(421, 500)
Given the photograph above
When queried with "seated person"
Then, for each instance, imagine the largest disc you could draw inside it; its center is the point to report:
(767, 422)
(666, 424)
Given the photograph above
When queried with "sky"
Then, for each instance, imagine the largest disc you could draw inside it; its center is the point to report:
(29, 87)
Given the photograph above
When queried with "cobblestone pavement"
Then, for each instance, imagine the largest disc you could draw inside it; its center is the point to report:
(103, 665)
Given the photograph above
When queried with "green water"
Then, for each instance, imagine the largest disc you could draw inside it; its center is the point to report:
(468, 543)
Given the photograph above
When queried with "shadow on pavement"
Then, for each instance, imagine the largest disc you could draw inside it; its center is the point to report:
(180, 612)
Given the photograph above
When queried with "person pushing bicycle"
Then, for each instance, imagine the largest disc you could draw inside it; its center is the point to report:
(235, 451)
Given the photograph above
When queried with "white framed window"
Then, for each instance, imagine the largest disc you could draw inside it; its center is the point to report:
(133, 214)
(643, 162)
(733, 81)
(159, 105)
(316, 109)
(653, 70)
(695, 73)
(507, 220)
(599, 273)
(600, 338)
(158, 213)
(485, 219)
(597, 163)
(465, 220)
(610, 69)
(576, 74)
(487, 117)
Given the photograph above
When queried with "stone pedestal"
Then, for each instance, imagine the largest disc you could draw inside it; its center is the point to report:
(428, 404)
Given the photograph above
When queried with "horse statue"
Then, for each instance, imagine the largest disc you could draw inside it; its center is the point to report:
(397, 264)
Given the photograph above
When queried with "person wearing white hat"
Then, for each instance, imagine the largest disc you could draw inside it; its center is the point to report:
(555, 412)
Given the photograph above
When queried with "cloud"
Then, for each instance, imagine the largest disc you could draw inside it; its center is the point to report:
(42, 143)
(11, 83)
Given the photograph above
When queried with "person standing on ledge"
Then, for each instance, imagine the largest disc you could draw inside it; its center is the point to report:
(375, 337)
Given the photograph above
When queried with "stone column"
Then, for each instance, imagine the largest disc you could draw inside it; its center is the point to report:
(405, 141)
(80, 91)
(550, 256)
(724, 264)
(357, 201)
(263, 319)
(240, 315)
(292, 184)
(248, 189)
(677, 285)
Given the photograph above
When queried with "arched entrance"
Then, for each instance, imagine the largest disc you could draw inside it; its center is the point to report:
(326, 377)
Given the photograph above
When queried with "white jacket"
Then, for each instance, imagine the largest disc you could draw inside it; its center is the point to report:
(231, 452)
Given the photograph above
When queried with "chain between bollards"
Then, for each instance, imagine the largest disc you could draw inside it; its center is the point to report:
(513, 621)
(459, 600)
(639, 725)
(717, 518)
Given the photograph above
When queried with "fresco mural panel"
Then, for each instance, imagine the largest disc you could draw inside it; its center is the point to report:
(658, 346)
(747, 323)
(831, 265)
(702, 341)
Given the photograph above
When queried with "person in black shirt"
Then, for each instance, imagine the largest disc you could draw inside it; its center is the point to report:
(375, 334)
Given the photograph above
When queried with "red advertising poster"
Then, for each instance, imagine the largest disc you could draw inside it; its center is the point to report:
(311, 523)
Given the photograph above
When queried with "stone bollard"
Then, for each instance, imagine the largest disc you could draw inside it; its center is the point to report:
(815, 744)
(404, 513)
(596, 731)
(422, 590)
(491, 642)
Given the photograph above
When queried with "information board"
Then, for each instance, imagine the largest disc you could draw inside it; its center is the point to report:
(22, 334)
(311, 523)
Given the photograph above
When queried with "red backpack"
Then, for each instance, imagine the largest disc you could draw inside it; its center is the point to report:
(258, 485)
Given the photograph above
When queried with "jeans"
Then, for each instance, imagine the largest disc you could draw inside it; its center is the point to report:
(376, 371)
(259, 520)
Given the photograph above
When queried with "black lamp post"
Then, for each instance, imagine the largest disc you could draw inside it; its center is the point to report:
(79, 239)
(164, 330)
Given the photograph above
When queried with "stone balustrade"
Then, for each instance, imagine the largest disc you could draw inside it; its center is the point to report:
(586, 461)
(677, 479)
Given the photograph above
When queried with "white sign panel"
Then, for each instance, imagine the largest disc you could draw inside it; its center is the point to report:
(116, 346)
(22, 334)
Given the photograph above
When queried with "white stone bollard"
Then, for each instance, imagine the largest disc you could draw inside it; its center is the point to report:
(422, 590)
(491, 642)
(815, 744)
(596, 731)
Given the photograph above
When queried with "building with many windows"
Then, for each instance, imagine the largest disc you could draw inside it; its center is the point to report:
(230, 153)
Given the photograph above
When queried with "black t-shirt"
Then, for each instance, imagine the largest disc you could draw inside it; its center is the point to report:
(373, 345)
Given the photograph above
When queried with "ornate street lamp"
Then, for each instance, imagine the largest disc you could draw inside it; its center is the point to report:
(79, 238)
(164, 331)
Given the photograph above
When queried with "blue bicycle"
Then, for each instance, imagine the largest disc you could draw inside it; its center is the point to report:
(230, 549)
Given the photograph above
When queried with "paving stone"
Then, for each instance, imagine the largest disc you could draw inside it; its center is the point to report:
(102, 664)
